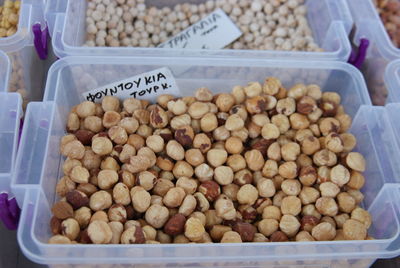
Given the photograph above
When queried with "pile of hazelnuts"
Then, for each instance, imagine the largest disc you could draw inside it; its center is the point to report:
(263, 163)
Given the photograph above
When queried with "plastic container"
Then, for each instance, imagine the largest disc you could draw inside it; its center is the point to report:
(392, 80)
(27, 74)
(10, 119)
(381, 50)
(39, 165)
(330, 21)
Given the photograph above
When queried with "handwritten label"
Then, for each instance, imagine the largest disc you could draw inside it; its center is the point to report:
(146, 86)
(213, 32)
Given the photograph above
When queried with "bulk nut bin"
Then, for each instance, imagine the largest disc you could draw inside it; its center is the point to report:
(10, 116)
(39, 165)
(27, 69)
(330, 22)
(381, 49)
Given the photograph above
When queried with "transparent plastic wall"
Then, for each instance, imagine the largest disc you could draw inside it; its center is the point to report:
(10, 116)
(39, 166)
(330, 22)
(380, 52)
(27, 70)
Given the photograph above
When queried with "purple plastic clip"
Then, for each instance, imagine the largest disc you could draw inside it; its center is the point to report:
(40, 40)
(9, 211)
(357, 57)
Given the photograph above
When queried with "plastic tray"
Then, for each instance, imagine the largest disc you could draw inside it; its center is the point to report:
(381, 50)
(10, 115)
(39, 165)
(27, 74)
(330, 21)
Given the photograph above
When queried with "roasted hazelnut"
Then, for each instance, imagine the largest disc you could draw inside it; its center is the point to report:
(274, 151)
(247, 194)
(254, 160)
(324, 232)
(327, 206)
(354, 230)
(157, 215)
(289, 224)
(356, 161)
(140, 198)
(174, 197)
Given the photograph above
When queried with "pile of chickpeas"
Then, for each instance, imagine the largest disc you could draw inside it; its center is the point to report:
(266, 24)
(263, 163)
(9, 15)
(389, 11)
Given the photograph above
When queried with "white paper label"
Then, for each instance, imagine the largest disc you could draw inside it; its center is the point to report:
(145, 86)
(213, 32)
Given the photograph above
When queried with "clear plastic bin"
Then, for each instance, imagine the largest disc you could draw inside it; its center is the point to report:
(330, 22)
(39, 166)
(392, 81)
(27, 74)
(10, 115)
(381, 50)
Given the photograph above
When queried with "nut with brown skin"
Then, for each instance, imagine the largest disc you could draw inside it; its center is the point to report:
(62, 210)
(279, 236)
(55, 225)
(308, 222)
(245, 230)
(133, 235)
(117, 212)
(175, 225)
(77, 199)
(210, 189)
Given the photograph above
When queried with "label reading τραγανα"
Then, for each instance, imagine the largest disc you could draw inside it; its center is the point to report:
(212, 32)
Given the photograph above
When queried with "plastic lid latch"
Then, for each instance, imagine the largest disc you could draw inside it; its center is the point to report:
(9, 211)
(358, 55)
(40, 40)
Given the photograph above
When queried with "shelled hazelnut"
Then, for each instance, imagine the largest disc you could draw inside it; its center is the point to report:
(185, 184)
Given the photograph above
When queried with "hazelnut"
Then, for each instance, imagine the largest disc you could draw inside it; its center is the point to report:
(174, 197)
(327, 206)
(175, 225)
(157, 215)
(117, 212)
(279, 236)
(268, 226)
(289, 225)
(271, 212)
(247, 194)
(107, 179)
(99, 232)
(70, 228)
(102, 146)
(85, 109)
(83, 216)
(266, 187)
(254, 159)
(291, 205)
(194, 229)
(323, 232)
(59, 239)
(100, 200)
(140, 198)
(256, 105)
(216, 157)
(77, 199)
(224, 208)
(354, 230)
(73, 149)
(288, 170)
(133, 235)
(245, 230)
(308, 222)
(362, 216)
(356, 161)
(231, 237)
(62, 210)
